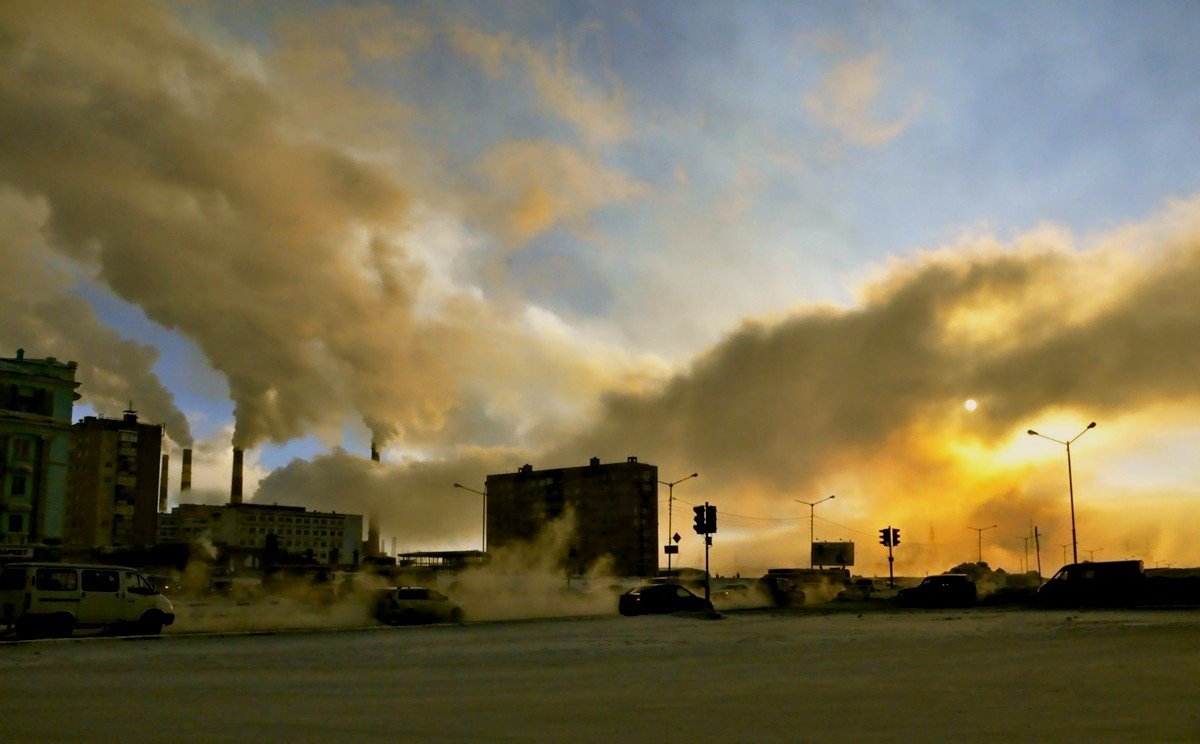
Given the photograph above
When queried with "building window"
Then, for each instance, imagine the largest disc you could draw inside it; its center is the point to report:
(20, 449)
(15, 523)
(18, 485)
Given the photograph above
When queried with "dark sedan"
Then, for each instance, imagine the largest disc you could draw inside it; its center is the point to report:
(659, 599)
(943, 590)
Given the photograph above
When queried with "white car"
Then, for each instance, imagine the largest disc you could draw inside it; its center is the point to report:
(415, 604)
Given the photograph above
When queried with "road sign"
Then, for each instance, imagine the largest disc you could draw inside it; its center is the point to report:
(676, 537)
(671, 549)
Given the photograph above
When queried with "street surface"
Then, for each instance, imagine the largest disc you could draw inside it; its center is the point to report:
(938, 675)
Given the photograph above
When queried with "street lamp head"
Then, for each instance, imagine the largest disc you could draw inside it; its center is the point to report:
(458, 485)
(1092, 425)
(697, 475)
(1032, 433)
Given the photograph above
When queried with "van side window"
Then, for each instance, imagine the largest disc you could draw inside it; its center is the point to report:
(56, 580)
(101, 581)
(138, 584)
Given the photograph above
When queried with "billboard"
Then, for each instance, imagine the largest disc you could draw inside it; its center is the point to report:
(833, 554)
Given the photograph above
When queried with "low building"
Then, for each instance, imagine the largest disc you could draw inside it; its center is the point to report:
(248, 534)
(36, 399)
(112, 496)
(615, 507)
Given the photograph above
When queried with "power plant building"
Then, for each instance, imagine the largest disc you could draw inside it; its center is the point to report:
(113, 494)
(36, 399)
(246, 533)
(615, 507)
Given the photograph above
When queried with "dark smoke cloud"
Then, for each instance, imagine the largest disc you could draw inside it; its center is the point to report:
(178, 177)
(43, 318)
(870, 398)
(201, 183)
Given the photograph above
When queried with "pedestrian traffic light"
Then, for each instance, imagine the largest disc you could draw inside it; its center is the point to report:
(895, 536)
(885, 536)
(710, 518)
(700, 526)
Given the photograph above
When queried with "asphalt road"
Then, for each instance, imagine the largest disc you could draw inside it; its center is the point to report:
(770, 676)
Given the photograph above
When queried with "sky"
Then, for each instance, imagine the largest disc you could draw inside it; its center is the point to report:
(778, 244)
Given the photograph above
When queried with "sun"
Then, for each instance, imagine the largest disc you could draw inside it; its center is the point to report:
(970, 405)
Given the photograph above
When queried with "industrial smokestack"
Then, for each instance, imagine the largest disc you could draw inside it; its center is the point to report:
(162, 484)
(374, 452)
(185, 480)
(235, 485)
(372, 535)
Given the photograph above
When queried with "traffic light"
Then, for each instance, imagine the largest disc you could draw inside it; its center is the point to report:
(895, 536)
(710, 518)
(700, 526)
(885, 536)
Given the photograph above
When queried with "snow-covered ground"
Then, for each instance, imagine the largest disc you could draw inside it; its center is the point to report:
(755, 676)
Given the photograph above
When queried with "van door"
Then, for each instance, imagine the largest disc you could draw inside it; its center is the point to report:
(101, 598)
(139, 596)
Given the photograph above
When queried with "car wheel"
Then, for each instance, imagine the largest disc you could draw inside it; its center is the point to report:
(456, 615)
(150, 624)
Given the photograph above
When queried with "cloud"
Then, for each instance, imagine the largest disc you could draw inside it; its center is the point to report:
(600, 117)
(42, 316)
(194, 188)
(535, 186)
(847, 100)
(866, 401)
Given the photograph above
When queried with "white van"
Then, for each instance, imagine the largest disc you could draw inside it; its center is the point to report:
(56, 598)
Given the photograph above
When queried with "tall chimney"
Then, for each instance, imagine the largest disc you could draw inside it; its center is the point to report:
(162, 484)
(185, 480)
(374, 452)
(235, 485)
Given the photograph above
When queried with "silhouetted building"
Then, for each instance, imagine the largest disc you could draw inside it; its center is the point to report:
(36, 396)
(615, 507)
(113, 493)
(249, 535)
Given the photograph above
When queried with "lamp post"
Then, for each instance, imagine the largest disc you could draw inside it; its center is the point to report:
(671, 507)
(1070, 483)
(980, 530)
(1092, 553)
(812, 511)
(483, 493)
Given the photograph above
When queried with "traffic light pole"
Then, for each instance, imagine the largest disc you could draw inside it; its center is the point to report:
(891, 562)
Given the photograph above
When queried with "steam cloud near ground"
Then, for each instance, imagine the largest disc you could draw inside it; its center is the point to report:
(520, 581)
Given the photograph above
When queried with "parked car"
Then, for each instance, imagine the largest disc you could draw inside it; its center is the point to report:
(53, 599)
(658, 599)
(403, 605)
(942, 590)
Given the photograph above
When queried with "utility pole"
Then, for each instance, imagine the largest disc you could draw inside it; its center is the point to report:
(1037, 546)
(1064, 547)
(669, 549)
(1025, 564)
(980, 530)
(812, 509)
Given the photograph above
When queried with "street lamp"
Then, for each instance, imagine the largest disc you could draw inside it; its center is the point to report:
(1092, 553)
(980, 530)
(671, 507)
(1070, 483)
(812, 510)
(484, 495)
